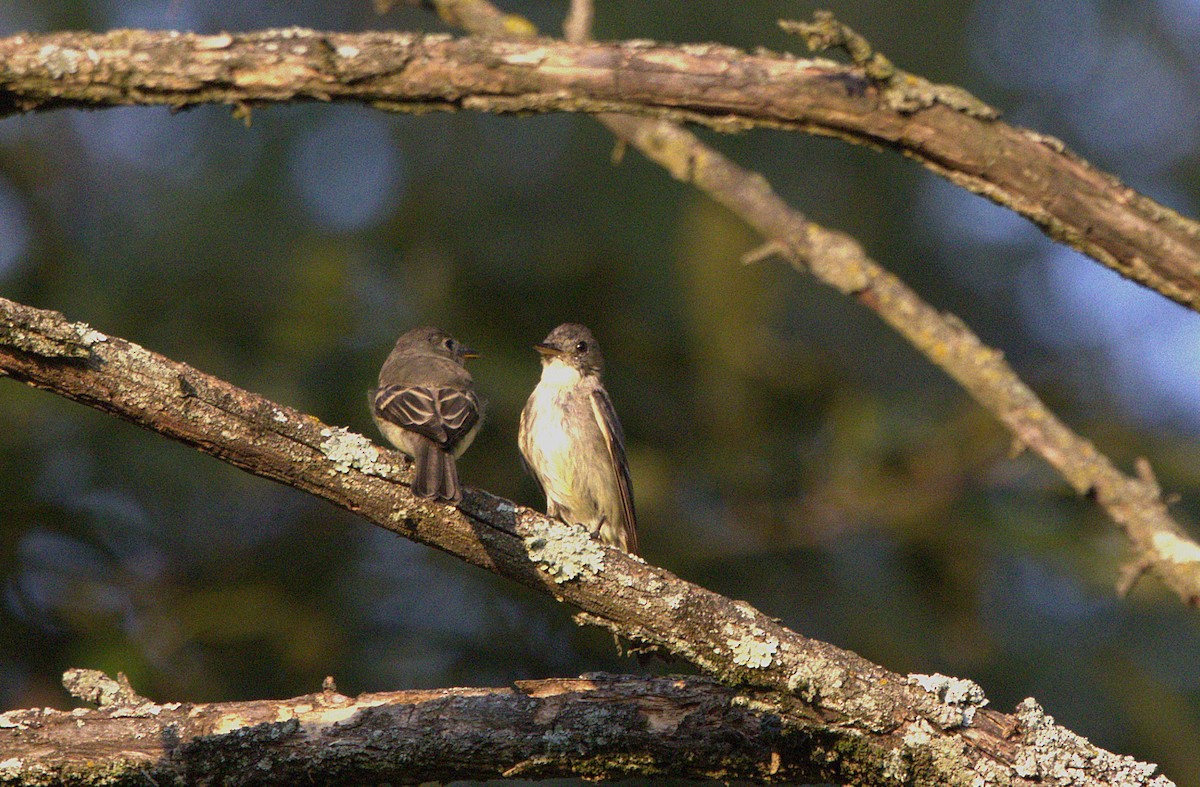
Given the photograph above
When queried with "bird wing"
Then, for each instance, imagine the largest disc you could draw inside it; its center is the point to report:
(614, 440)
(444, 415)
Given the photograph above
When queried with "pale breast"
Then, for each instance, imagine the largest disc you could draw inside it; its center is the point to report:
(571, 464)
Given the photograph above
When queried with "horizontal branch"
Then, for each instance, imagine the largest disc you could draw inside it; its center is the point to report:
(883, 725)
(598, 727)
(943, 128)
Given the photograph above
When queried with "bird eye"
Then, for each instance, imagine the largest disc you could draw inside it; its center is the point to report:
(580, 347)
(449, 344)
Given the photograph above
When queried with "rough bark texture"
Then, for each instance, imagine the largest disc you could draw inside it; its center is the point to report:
(887, 729)
(598, 726)
(944, 128)
(806, 710)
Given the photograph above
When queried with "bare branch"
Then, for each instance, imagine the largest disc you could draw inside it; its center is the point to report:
(692, 727)
(597, 727)
(918, 732)
(942, 128)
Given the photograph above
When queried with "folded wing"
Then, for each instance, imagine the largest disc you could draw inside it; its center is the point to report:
(443, 415)
(614, 439)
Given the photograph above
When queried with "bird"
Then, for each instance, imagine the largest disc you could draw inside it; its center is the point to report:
(572, 443)
(426, 406)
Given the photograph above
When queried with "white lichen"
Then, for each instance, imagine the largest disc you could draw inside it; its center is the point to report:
(800, 683)
(964, 696)
(350, 450)
(1055, 753)
(919, 733)
(219, 41)
(756, 651)
(89, 335)
(59, 61)
(533, 56)
(745, 610)
(565, 552)
(896, 766)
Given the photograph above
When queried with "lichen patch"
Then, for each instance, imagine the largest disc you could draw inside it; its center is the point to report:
(756, 651)
(350, 450)
(564, 552)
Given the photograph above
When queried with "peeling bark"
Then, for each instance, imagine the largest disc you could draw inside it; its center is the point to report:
(597, 726)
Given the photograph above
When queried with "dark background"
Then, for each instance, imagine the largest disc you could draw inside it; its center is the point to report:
(786, 448)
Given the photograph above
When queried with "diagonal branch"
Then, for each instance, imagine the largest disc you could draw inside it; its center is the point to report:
(1134, 503)
(944, 129)
(883, 726)
(709, 84)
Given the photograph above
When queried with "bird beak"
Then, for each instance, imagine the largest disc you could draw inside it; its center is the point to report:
(467, 352)
(547, 350)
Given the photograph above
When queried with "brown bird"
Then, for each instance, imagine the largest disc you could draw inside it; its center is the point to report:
(572, 443)
(426, 406)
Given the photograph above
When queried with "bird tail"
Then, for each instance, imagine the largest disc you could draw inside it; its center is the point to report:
(435, 474)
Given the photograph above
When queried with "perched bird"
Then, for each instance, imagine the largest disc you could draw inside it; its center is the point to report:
(426, 406)
(572, 442)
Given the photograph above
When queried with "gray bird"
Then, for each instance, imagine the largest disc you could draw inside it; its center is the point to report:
(572, 443)
(426, 406)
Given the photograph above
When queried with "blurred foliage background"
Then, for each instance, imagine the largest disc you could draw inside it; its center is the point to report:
(786, 448)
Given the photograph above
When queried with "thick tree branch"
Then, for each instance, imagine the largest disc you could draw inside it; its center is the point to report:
(597, 726)
(887, 728)
(943, 128)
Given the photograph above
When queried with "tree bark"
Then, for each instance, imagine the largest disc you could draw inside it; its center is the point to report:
(894, 730)
(943, 128)
(596, 727)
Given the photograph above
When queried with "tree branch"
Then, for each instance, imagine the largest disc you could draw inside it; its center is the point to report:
(884, 727)
(1134, 503)
(597, 727)
(711, 84)
(943, 128)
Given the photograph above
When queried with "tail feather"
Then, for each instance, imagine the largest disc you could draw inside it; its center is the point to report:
(435, 475)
